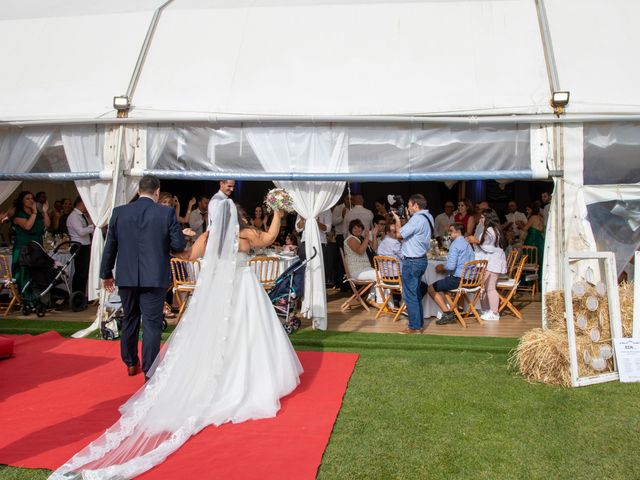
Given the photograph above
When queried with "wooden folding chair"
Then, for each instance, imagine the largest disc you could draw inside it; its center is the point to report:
(471, 283)
(266, 269)
(355, 299)
(508, 288)
(185, 274)
(512, 259)
(388, 282)
(7, 282)
(531, 269)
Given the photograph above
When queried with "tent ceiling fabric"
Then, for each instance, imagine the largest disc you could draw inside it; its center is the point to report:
(595, 43)
(345, 58)
(66, 59)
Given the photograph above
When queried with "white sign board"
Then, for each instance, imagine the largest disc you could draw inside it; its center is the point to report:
(628, 359)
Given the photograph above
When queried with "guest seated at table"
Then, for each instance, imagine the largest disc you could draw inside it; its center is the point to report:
(390, 246)
(460, 252)
(290, 243)
(377, 234)
(381, 206)
(29, 226)
(355, 254)
(259, 218)
(464, 215)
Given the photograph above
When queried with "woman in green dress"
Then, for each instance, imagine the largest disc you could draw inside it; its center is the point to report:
(534, 230)
(29, 224)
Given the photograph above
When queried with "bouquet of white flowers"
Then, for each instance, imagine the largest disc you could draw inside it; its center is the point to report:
(278, 199)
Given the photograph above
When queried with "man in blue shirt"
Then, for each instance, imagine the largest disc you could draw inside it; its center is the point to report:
(416, 234)
(460, 252)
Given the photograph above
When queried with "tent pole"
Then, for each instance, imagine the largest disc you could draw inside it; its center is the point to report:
(380, 120)
(338, 176)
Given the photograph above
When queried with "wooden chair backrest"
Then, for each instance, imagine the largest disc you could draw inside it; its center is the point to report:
(531, 254)
(344, 264)
(185, 272)
(518, 273)
(5, 271)
(387, 270)
(512, 259)
(473, 273)
(266, 269)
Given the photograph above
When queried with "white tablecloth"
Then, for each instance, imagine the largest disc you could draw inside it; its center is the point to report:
(429, 277)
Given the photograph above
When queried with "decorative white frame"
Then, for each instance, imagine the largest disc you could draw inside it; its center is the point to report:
(615, 320)
(636, 296)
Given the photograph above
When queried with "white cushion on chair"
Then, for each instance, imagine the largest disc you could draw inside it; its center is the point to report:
(507, 284)
(531, 276)
(474, 289)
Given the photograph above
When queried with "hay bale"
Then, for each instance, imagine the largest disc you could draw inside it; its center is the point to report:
(543, 356)
(554, 310)
(626, 307)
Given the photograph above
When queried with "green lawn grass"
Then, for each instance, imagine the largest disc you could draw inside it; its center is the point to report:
(432, 407)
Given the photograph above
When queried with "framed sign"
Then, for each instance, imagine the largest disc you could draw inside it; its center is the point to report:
(592, 312)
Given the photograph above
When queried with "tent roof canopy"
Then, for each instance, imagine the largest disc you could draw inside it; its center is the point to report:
(311, 58)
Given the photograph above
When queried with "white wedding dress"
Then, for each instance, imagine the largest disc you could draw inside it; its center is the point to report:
(228, 360)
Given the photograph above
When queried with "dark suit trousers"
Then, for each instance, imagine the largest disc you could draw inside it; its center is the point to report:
(141, 305)
(81, 269)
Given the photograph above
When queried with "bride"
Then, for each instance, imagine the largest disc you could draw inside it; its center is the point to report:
(228, 360)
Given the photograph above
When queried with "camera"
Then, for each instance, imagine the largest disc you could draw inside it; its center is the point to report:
(396, 205)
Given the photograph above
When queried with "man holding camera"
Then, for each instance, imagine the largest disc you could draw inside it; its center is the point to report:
(416, 234)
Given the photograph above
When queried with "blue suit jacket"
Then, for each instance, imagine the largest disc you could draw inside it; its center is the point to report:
(140, 237)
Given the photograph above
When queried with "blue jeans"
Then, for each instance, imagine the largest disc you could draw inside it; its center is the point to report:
(412, 271)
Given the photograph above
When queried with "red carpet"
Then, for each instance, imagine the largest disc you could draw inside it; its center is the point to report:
(57, 394)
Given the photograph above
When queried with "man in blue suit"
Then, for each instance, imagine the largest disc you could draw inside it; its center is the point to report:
(140, 238)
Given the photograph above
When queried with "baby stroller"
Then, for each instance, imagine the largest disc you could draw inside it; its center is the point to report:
(41, 290)
(111, 323)
(289, 286)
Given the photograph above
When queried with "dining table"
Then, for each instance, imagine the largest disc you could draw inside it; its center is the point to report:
(430, 276)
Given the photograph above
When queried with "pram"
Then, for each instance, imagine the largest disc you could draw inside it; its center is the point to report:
(111, 322)
(288, 288)
(41, 290)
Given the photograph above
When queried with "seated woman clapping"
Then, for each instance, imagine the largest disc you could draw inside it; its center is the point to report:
(355, 254)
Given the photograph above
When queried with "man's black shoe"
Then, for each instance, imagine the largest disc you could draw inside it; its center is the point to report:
(447, 317)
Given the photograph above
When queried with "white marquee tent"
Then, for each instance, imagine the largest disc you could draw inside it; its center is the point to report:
(312, 93)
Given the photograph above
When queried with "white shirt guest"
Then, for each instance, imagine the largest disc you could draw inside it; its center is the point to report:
(513, 217)
(358, 212)
(445, 219)
(80, 227)
(324, 220)
(199, 218)
(337, 217)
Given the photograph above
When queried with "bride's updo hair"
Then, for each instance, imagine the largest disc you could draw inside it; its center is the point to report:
(243, 219)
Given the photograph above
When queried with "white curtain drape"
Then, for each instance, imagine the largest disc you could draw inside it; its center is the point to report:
(144, 145)
(84, 147)
(19, 151)
(306, 149)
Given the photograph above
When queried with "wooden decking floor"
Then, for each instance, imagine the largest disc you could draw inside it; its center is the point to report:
(359, 320)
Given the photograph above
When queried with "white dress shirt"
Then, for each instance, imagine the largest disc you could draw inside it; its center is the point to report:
(79, 227)
(196, 221)
(362, 214)
(337, 220)
(443, 221)
(515, 217)
(324, 218)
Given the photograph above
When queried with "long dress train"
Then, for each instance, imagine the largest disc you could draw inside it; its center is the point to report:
(228, 360)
